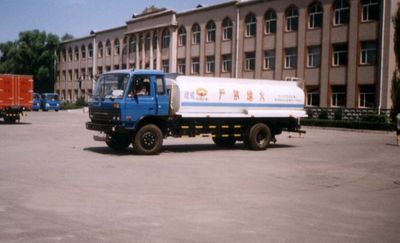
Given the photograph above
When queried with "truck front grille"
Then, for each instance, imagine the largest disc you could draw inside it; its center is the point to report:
(101, 115)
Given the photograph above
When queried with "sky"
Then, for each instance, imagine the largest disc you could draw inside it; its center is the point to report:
(77, 17)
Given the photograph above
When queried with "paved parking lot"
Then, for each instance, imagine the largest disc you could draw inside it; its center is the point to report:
(58, 185)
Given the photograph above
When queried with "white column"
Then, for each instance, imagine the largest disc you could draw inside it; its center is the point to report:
(143, 38)
(94, 63)
(151, 51)
(173, 49)
(158, 66)
(137, 61)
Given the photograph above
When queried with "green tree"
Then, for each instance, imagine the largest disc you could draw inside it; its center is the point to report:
(395, 94)
(34, 53)
(66, 37)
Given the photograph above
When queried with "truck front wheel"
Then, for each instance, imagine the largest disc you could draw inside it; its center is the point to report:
(259, 137)
(118, 141)
(10, 120)
(224, 142)
(148, 140)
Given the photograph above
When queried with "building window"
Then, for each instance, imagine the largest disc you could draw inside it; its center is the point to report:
(83, 74)
(368, 53)
(155, 40)
(227, 26)
(147, 42)
(182, 36)
(70, 75)
(64, 55)
(210, 67)
(314, 57)
(83, 52)
(196, 34)
(341, 12)
(64, 75)
(69, 54)
(292, 19)
(165, 66)
(251, 24)
(132, 44)
(211, 29)
(269, 60)
(100, 50)
(117, 47)
(339, 54)
(90, 47)
(182, 66)
(250, 62)
(370, 10)
(76, 72)
(226, 63)
(108, 48)
(367, 96)
(108, 68)
(165, 39)
(270, 22)
(290, 58)
(338, 96)
(195, 65)
(312, 96)
(315, 16)
(76, 53)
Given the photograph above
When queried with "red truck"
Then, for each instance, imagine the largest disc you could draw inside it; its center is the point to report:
(15, 96)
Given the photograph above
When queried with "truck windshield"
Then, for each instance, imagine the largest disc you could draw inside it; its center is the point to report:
(111, 85)
(50, 96)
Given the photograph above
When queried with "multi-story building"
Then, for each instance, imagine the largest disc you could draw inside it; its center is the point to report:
(343, 49)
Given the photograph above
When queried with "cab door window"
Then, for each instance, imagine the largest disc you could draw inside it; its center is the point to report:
(160, 86)
(140, 86)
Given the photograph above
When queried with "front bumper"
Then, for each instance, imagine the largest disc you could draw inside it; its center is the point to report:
(107, 128)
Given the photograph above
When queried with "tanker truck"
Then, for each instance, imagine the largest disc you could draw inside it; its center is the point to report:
(142, 107)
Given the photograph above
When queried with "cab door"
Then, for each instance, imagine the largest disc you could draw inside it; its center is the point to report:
(141, 98)
(162, 98)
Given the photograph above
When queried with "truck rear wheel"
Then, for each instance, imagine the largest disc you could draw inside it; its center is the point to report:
(259, 137)
(118, 142)
(148, 140)
(224, 142)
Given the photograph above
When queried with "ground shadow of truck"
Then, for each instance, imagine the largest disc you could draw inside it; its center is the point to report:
(14, 124)
(181, 148)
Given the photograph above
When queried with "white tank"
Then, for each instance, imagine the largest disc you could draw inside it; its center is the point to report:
(227, 97)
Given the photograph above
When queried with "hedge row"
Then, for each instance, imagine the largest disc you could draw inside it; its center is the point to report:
(349, 124)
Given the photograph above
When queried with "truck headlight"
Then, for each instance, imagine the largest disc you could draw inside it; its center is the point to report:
(47, 104)
(58, 105)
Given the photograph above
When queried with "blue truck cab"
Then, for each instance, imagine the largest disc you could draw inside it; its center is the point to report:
(50, 101)
(123, 98)
(36, 102)
(126, 100)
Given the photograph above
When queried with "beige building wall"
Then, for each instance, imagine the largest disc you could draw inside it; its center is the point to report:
(322, 82)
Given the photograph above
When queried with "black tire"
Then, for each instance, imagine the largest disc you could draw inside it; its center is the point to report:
(148, 140)
(10, 120)
(56, 110)
(224, 142)
(118, 142)
(259, 137)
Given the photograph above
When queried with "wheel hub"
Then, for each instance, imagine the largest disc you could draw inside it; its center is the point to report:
(148, 140)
